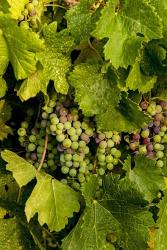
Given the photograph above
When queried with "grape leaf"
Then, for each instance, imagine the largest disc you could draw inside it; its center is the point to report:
(122, 25)
(127, 206)
(137, 80)
(14, 236)
(89, 189)
(125, 118)
(93, 91)
(160, 242)
(4, 6)
(16, 7)
(4, 54)
(5, 114)
(22, 45)
(55, 61)
(3, 87)
(146, 176)
(23, 171)
(81, 20)
(56, 202)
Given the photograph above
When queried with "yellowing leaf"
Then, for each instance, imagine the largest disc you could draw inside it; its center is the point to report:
(56, 202)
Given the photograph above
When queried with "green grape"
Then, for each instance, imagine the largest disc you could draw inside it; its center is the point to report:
(158, 109)
(145, 133)
(101, 171)
(157, 138)
(83, 164)
(21, 132)
(53, 128)
(116, 138)
(42, 132)
(54, 120)
(81, 177)
(157, 146)
(39, 156)
(64, 170)
(163, 129)
(73, 172)
(165, 138)
(60, 126)
(50, 146)
(69, 164)
(71, 131)
(76, 185)
(54, 151)
(21, 139)
(25, 12)
(160, 163)
(41, 142)
(62, 158)
(33, 21)
(52, 104)
(110, 143)
(67, 125)
(90, 166)
(82, 169)
(109, 158)
(58, 131)
(67, 143)
(101, 150)
(101, 157)
(64, 181)
(77, 124)
(110, 166)
(35, 2)
(51, 156)
(76, 164)
(45, 165)
(76, 157)
(117, 154)
(24, 124)
(159, 154)
(32, 138)
(30, 7)
(142, 149)
(31, 147)
(60, 137)
(86, 150)
(78, 131)
(89, 131)
(51, 162)
(115, 162)
(161, 134)
(68, 157)
(108, 134)
(102, 163)
(84, 125)
(113, 151)
(103, 144)
(82, 144)
(21, 18)
(74, 145)
(45, 115)
(40, 149)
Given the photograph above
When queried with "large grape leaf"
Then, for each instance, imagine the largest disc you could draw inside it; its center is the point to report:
(120, 215)
(3, 54)
(22, 45)
(125, 118)
(122, 22)
(81, 19)
(55, 62)
(23, 171)
(160, 242)
(5, 114)
(146, 176)
(94, 92)
(16, 7)
(127, 206)
(56, 202)
(137, 80)
(14, 236)
(3, 87)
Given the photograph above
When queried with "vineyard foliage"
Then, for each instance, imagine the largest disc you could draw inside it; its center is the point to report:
(83, 124)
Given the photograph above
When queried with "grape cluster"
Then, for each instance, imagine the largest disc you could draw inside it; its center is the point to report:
(150, 140)
(62, 138)
(29, 17)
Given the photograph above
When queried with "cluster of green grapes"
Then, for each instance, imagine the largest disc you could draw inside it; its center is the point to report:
(29, 17)
(62, 139)
(150, 140)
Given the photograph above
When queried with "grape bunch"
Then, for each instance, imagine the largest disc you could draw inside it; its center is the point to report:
(107, 153)
(150, 140)
(62, 139)
(29, 16)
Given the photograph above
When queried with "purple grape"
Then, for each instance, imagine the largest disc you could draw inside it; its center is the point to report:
(101, 136)
(63, 119)
(157, 123)
(63, 111)
(136, 137)
(97, 140)
(70, 117)
(150, 155)
(163, 104)
(70, 151)
(146, 140)
(150, 147)
(144, 105)
(150, 125)
(85, 137)
(34, 156)
(60, 148)
(158, 117)
(156, 130)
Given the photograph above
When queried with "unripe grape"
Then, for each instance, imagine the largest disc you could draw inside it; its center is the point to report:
(116, 138)
(110, 166)
(165, 138)
(32, 138)
(101, 171)
(67, 125)
(113, 151)
(30, 7)
(31, 147)
(115, 162)
(67, 143)
(68, 157)
(73, 172)
(145, 133)
(74, 138)
(109, 158)
(117, 154)
(21, 132)
(157, 138)
(24, 24)
(71, 131)
(157, 146)
(25, 12)
(158, 109)
(159, 154)
(101, 157)
(108, 134)
(64, 170)
(160, 163)
(74, 145)
(142, 149)
(103, 144)
(60, 126)
(163, 129)
(60, 137)
(35, 2)
(69, 164)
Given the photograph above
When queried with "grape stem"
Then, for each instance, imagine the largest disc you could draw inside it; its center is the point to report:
(44, 152)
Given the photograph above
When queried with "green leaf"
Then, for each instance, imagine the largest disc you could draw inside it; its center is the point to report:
(4, 6)
(56, 202)
(137, 80)
(4, 131)
(146, 176)
(4, 60)
(55, 61)
(93, 90)
(22, 45)
(23, 171)
(16, 7)
(129, 209)
(14, 236)
(3, 87)
(125, 118)
(160, 242)
(121, 22)
(89, 189)
(5, 114)
(81, 20)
